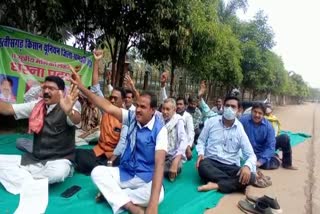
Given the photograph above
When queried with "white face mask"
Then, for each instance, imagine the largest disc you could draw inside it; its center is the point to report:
(229, 113)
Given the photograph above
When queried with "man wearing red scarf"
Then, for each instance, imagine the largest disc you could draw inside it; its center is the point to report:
(51, 120)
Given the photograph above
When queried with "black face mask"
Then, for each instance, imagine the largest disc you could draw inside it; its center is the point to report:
(191, 109)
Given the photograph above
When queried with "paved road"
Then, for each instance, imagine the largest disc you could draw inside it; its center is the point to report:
(298, 191)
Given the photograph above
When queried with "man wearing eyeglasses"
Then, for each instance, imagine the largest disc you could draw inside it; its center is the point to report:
(52, 121)
(104, 153)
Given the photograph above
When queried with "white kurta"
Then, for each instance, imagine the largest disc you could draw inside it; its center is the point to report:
(118, 193)
(14, 176)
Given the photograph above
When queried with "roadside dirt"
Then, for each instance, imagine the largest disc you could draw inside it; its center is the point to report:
(297, 191)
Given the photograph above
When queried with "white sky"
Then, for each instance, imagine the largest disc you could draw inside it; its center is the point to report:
(296, 25)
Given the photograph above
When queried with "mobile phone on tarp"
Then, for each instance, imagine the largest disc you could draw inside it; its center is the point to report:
(70, 191)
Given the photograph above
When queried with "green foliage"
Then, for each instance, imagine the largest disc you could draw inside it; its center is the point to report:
(205, 38)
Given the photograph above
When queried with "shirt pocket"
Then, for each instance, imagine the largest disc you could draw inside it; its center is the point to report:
(232, 145)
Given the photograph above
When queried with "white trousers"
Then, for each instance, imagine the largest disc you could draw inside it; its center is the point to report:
(117, 193)
(12, 177)
(85, 141)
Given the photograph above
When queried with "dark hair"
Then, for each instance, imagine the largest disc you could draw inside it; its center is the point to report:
(259, 105)
(232, 98)
(183, 99)
(192, 99)
(56, 80)
(153, 98)
(128, 91)
(121, 90)
(7, 79)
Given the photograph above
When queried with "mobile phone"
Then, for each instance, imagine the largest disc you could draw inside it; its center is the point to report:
(70, 191)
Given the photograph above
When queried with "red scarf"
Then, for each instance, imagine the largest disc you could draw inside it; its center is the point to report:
(36, 118)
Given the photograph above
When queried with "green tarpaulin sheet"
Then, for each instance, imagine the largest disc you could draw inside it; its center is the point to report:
(181, 197)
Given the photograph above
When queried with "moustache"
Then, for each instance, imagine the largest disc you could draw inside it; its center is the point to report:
(46, 95)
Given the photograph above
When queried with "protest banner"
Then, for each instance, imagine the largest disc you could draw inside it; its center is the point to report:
(26, 59)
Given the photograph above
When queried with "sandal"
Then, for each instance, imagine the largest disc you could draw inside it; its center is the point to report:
(266, 179)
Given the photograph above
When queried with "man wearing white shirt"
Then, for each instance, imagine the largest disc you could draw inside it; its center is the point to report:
(137, 182)
(181, 109)
(188, 121)
(52, 120)
(128, 101)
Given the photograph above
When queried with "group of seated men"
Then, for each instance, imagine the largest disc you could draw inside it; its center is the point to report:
(138, 145)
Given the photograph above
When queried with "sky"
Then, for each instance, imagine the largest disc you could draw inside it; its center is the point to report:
(296, 25)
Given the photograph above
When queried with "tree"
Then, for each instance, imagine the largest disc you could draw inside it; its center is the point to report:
(45, 18)
(257, 39)
(125, 24)
(171, 40)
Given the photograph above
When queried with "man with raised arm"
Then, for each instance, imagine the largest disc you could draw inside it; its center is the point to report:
(51, 120)
(110, 129)
(203, 106)
(137, 182)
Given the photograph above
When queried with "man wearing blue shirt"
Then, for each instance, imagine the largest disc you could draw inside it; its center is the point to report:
(218, 152)
(262, 137)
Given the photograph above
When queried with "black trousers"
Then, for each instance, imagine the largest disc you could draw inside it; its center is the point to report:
(283, 144)
(86, 160)
(224, 175)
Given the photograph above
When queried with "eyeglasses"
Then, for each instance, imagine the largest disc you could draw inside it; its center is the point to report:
(50, 88)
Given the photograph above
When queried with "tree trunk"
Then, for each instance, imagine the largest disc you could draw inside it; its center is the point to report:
(172, 79)
(210, 86)
(243, 93)
(254, 94)
(114, 61)
(121, 62)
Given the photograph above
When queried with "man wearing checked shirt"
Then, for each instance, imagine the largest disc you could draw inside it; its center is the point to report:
(218, 152)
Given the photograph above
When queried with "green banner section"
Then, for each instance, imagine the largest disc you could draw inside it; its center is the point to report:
(26, 59)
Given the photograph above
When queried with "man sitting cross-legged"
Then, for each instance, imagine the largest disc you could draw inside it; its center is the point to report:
(51, 120)
(181, 110)
(177, 139)
(110, 129)
(137, 182)
(218, 152)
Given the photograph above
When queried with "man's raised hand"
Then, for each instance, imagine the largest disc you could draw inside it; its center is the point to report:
(202, 89)
(128, 82)
(164, 78)
(98, 54)
(75, 78)
(67, 102)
